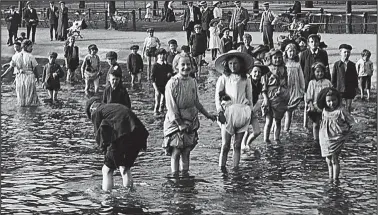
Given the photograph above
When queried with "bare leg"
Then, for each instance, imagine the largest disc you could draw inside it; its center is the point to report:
(315, 129)
(139, 78)
(330, 167)
(256, 131)
(175, 158)
(226, 140)
(288, 117)
(107, 178)
(349, 105)
(244, 145)
(185, 160)
(50, 92)
(237, 145)
(162, 102)
(368, 94)
(305, 118)
(96, 84)
(157, 101)
(127, 178)
(200, 66)
(55, 95)
(86, 86)
(277, 131)
(148, 68)
(336, 167)
(267, 127)
(132, 80)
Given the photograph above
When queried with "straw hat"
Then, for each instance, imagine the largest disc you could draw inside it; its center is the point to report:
(264, 69)
(215, 3)
(148, 5)
(248, 60)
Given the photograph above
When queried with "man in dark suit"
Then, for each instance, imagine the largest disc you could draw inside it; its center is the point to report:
(206, 16)
(192, 16)
(12, 19)
(31, 19)
(52, 15)
(239, 20)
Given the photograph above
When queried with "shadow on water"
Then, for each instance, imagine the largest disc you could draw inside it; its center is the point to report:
(49, 165)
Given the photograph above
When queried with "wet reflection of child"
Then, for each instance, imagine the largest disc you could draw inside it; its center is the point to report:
(181, 121)
(52, 72)
(120, 135)
(334, 129)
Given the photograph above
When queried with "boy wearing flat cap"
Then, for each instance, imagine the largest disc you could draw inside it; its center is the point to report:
(52, 72)
(268, 20)
(135, 65)
(172, 51)
(344, 76)
(111, 58)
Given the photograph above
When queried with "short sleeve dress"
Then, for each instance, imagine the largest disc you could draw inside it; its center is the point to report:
(296, 83)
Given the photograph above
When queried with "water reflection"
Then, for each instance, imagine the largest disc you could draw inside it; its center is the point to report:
(335, 202)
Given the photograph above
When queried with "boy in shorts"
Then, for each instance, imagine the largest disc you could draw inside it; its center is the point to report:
(365, 70)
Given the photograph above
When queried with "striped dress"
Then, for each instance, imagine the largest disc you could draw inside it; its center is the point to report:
(24, 64)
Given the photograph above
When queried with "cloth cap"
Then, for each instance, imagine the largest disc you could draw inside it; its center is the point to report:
(17, 43)
(274, 51)
(236, 2)
(160, 51)
(215, 3)
(248, 60)
(345, 46)
(202, 3)
(116, 71)
(111, 55)
(150, 30)
(264, 69)
(266, 4)
(89, 103)
(92, 47)
(173, 41)
(224, 29)
(53, 54)
(197, 26)
(62, 2)
(313, 35)
(134, 47)
(26, 42)
(28, 2)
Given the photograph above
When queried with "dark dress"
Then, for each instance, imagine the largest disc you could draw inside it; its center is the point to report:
(72, 55)
(160, 75)
(134, 63)
(118, 95)
(119, 133)
(345, 81)
(50, 82)
(170, 16)
(198, 41)
(256, 90)
(226, 45)
(63, 23)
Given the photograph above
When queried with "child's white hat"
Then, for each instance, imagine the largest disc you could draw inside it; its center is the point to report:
(148, 5)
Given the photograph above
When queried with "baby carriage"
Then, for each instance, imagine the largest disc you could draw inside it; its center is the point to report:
(294, 34)
(76, 27)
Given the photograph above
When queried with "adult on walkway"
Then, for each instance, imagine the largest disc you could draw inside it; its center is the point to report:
(62, 21)
(31, 19)
(217, 11)
(52, 15)
(192, 16)
(170, 14)
(206, 17)
(268, 20)
(239, 20)
(12, 19)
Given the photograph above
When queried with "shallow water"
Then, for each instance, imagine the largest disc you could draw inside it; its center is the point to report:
(49, 165)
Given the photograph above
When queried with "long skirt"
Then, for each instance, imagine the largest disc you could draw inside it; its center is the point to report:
(26, 89)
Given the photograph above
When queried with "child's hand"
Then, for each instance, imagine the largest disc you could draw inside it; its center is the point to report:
(183, 127)
(212, 117)
(221, 117)
(55, 74)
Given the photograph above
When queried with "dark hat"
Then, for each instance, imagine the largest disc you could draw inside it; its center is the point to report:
(314, 35)
(160, 51)
(224, 29)
(197, 26)
(345, 46)
(216, 20)
(150, 30)
(173, 41)
(259, 49)
(116, 71)
(28, 2)
(17, 43)
(53, 54)
(134, 47)
(266, 4)
(185, 48)
(26, 42)
(264, 69)
(92, 47)
(111, 55)
(321, 99)
(89, 103)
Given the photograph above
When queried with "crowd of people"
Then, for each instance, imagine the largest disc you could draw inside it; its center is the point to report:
(253, 78)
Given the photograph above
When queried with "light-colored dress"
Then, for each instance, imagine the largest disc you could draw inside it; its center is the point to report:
(275, 85)
(182, 104)
(217, 12)
(238, 114)
(334, 129)
(296, 83)
(364, 68)
(215, 41)
(24, 64)
(148, 13)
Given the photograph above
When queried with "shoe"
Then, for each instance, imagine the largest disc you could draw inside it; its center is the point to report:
(51, 39)
(11, 44)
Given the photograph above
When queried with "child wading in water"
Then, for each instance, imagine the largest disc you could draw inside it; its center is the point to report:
(344, 76)
(236, 114)
(317, 83)
(334, 129)
(365, 69)
(295, 82)
(198, 43)
(151, 44)
(91, 69)
(181, 121)
(135, 65)
(161, 72)
(214, 41)
(120, 135)
(71, 57)
(276, 94)
(52, 72)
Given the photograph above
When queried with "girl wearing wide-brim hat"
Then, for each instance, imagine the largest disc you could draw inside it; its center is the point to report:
(233, 100)
(148, 15)
(275, 92)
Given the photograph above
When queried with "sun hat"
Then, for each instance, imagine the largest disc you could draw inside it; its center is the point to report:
(345, 46)
(134, 47)
(202, 3)
(224, 29)
(259, 49)
(148, 5)
(213, 21)
(248, 60)
(111, 55)
(264, 69)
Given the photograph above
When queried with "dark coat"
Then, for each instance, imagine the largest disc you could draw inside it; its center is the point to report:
(114, 121)
(50, 82)
(344, 81)
(307, 59)
(196, 13)
(13, 20)
(170, 15)
(134, 63)
(63, 22)
(206, 17)
(28, 15)
(118, 95)
(297, 8)
(53, 15)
